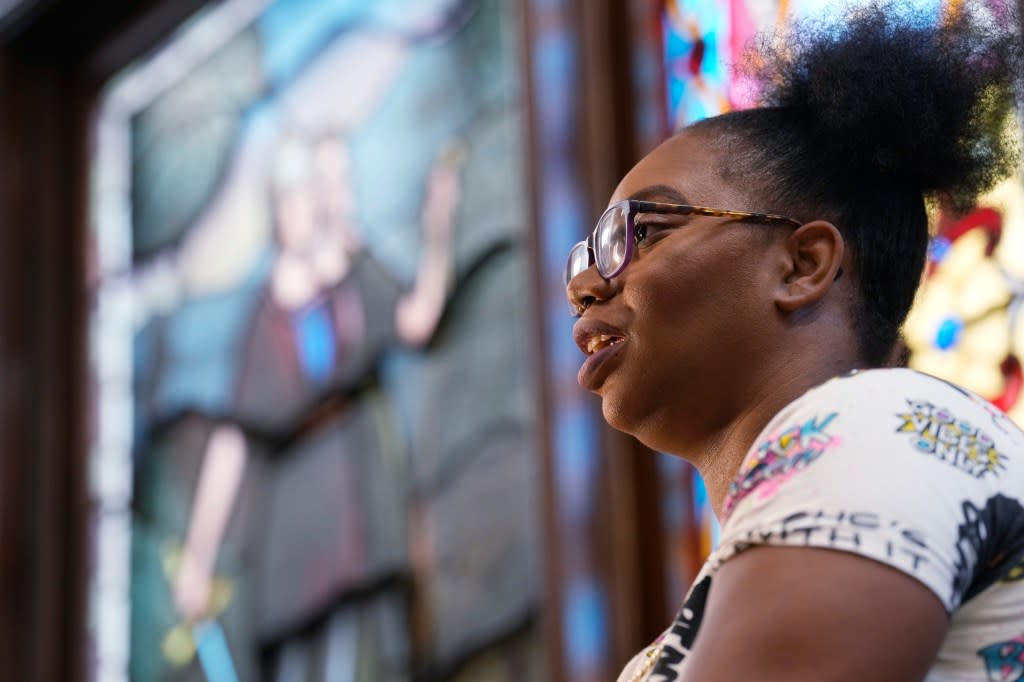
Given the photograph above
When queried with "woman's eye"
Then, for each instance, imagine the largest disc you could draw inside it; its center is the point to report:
(647, 232)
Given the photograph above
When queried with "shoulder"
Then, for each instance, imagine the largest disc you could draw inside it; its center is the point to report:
(883, 419)
(893, 465)
(896, 416)
(876, 392)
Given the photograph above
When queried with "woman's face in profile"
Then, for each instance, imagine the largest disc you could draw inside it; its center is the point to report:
(691, 308)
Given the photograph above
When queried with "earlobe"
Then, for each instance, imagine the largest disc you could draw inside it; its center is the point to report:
(814, 254)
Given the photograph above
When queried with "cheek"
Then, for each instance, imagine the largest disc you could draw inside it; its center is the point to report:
(690, 310)
(666, 295)
(666, 308)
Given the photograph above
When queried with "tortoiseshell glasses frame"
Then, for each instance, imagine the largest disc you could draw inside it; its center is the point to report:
(608, 247)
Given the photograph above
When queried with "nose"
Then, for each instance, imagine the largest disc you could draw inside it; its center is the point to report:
(589, 287)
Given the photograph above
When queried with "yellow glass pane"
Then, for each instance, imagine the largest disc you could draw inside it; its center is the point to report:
(987, 341)
(964, 256)
(934, 303)
(938, 363)
(981, 377)
(964, 304)
(985, 289)
(1017, 339)
(1008, 199)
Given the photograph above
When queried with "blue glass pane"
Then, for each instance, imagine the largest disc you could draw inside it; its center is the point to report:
(948, 334)
(315, 336)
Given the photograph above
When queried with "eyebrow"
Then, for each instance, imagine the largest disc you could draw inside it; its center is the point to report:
(662, 192)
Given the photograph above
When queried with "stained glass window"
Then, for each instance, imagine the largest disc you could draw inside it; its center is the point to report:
(965, 325)
(703, 42)
(314, 452)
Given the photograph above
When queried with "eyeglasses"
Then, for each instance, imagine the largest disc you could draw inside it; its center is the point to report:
(610, 247)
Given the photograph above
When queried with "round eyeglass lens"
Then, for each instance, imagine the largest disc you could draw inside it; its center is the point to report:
(610, 244)
(578, 261)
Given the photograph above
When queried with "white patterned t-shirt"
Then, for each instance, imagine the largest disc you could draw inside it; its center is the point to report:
(901, 468)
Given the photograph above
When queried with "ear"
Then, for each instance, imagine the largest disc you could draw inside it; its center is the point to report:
(814, 255)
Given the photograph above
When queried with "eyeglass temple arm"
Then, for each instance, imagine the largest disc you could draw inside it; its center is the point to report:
(639, 206)
(686, 209)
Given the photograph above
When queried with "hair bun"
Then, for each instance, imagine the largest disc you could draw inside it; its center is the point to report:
(900, 95)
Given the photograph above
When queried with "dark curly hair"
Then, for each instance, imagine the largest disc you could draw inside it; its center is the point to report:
(860, 121)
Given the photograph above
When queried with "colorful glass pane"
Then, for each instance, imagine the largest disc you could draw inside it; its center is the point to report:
(965, 325)
(309, 342)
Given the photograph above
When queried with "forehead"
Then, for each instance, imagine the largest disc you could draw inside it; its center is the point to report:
(691, 164)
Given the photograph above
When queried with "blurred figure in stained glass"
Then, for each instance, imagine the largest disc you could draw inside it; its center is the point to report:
(322, 321)
(287, 432)
(328, 312)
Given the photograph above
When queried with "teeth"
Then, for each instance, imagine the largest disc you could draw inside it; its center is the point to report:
(598, 342)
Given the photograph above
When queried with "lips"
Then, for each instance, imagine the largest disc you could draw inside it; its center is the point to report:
(602, 344)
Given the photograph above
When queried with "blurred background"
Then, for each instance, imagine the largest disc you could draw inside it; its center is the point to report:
(288, 385)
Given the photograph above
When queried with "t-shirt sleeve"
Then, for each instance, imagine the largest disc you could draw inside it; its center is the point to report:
(906, 472)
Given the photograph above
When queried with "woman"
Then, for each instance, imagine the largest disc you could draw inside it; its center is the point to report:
(736, 302)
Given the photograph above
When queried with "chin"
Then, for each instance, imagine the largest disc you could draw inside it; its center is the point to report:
(617, 417)
(648, 428)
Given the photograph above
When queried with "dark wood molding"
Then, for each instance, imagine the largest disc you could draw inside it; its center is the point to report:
(636, 564)
(54, 57)
(551, 616)
(624, 537)
(96, 39)
(19, 15)
(40, 350)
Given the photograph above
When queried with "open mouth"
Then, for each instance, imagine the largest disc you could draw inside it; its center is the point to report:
(604, 354)
(600, 342)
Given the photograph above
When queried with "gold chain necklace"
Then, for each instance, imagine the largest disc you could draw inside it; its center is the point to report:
(651, 657)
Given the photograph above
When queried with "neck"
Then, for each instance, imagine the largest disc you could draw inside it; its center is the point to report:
(719, 455)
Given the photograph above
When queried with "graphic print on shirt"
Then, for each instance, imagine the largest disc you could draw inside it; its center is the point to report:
(1004, 661)
(679, 639)
(994, 537)
(779, 457)
(860, 531)
(936, 431)
(1000, 420)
